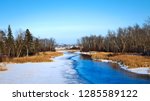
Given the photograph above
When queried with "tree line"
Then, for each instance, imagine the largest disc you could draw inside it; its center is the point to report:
(132, 39)
(23, 44)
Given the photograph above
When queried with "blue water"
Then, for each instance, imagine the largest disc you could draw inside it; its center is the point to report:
(92, 72)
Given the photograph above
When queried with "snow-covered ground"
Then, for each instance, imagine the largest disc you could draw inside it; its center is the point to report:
(142, 70)
(56, 72)
(138, 70)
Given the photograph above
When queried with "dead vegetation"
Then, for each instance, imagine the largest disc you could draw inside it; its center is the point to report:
(130, 60)
(41, 57)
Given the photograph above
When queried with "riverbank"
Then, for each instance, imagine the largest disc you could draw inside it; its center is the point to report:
(131, 62)
(41, 57)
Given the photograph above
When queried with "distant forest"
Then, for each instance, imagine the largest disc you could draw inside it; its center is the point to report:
(132, 39)
(23, 44)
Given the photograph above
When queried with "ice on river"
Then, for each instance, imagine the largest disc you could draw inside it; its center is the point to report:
(56, 72)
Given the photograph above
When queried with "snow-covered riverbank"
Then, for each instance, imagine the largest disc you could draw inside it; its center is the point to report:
(47, 72)
(138, 70)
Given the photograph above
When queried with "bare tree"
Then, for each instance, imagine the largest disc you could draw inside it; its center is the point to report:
(130, 39)
(19, 44)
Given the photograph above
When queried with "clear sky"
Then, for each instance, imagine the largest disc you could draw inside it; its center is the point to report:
(68, 20)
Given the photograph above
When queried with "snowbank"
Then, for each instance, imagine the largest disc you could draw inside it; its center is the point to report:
(142, 70)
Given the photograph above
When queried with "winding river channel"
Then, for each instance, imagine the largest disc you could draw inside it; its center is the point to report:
(105, 73)
(71, 68)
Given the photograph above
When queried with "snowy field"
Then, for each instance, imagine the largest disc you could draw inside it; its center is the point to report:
(56, 72)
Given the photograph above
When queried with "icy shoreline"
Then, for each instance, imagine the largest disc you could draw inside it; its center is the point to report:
(138, 70)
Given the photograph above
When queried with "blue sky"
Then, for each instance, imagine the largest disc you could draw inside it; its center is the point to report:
(68, 20)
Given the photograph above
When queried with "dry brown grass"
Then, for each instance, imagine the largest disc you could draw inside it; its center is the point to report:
(132, 61)
(41, 57)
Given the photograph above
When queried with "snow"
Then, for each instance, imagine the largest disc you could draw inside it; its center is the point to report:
(138, 70)
(88, 53)
(56, 72)
(61, 71)
(142, 70)
(106, 60)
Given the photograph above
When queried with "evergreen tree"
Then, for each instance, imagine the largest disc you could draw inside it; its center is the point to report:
(10, 42)
(2, 35)
(28, 42)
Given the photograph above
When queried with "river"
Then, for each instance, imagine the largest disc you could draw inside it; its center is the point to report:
(94, 72)
(71, 68)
